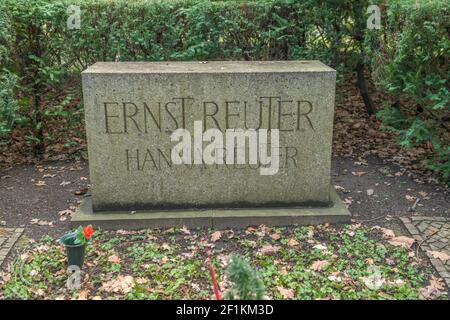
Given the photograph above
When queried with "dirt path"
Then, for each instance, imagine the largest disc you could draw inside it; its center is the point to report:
(33, 196)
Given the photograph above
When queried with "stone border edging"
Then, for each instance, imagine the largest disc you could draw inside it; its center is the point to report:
(7, 243)
(422, 238)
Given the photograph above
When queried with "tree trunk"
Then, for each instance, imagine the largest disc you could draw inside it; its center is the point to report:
(36, 91)
(362, 86)
(39, 147)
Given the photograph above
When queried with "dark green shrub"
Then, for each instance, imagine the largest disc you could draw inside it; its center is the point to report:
(411, 63)
(8, 103)
(246, 282)
(5, 37)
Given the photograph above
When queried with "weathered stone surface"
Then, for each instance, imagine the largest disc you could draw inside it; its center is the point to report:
(132, 109)
(211, 218)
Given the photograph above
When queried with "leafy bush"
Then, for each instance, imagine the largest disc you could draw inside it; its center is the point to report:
(246, 282)
(411, 64)
(8, 103)
(5, 37)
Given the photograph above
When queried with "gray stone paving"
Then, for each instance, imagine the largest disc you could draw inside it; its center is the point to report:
(8, 237)
(433, 233)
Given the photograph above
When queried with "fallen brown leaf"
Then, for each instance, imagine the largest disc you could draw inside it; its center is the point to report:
(320, 247)
(359, 173)
(286, 293)
(41, 222)
(439, 255)
(402, 241)
(185, 230)
(424, 195)
(114, 258)
(318, 265)
(268, 249)
(387, 233)
(250, 230)
(66, 212)
(437, 283)
(215, 236)
(275, 236)
(83, 295)
(122, 284)
(81, 191)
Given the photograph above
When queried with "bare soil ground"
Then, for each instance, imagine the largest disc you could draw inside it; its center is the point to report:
(38, 196)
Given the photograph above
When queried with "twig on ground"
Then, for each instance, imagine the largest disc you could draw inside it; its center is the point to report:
(413, 207)
(373, 219)
(423, 240)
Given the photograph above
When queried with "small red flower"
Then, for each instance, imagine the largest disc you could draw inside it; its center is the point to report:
(88, 232)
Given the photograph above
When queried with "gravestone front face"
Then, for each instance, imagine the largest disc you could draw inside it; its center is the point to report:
(133, 108)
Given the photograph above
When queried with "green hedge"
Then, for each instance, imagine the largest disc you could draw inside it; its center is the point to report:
(36, 45)
(411, 63)
(183, 30)
(45, 54)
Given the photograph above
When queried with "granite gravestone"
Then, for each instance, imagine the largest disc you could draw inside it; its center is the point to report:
(133, 109)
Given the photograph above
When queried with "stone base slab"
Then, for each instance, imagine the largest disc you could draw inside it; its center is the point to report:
(212, 218)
